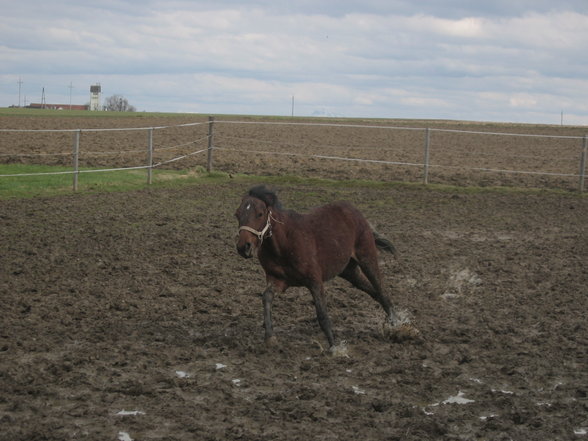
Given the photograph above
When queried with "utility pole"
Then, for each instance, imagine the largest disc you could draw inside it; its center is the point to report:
(43, 99)
(19, 86)
(292, 106)
(70, 88)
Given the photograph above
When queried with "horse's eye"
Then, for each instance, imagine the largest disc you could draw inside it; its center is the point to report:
(259, 215)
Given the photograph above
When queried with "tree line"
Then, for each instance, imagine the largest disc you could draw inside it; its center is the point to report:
(118, 103)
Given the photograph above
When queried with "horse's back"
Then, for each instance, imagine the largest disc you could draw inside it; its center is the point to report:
(340, 217)
(338, 229)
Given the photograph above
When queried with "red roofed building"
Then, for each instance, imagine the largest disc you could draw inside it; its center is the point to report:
(59, 106)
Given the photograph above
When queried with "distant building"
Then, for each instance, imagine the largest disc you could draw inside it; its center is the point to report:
(95, 92)
(58, 106)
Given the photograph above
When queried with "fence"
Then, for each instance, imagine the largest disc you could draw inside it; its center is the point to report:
(54, 149)
(438, 153)
(441, 153)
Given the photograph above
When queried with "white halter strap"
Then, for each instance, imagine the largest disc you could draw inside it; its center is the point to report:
(260, 234)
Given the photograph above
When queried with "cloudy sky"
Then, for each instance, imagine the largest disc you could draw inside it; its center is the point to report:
(493, 60)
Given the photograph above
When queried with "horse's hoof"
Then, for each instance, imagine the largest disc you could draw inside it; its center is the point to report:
(401, 333)
(339, 350)
(271, 342)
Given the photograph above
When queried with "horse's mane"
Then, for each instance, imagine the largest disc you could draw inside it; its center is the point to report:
(266, 195)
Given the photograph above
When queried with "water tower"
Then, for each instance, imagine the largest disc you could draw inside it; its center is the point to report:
(95, 92)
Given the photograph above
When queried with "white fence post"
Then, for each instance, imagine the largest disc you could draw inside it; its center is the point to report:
(583, 163)
(426, 158)
(150, 156)
(76, 158)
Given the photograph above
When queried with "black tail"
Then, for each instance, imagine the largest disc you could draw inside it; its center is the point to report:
(384, 244)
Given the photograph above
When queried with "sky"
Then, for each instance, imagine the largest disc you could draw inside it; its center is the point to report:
(494, 60)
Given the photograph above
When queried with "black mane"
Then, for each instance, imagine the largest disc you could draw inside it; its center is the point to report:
(266, 195)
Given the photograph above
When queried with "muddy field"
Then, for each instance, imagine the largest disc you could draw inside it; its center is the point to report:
(131, 316)
(461, 153)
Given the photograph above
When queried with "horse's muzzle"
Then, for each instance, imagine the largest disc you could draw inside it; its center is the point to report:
(245, 249)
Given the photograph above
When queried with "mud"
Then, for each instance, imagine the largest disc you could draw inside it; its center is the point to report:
(131, 316)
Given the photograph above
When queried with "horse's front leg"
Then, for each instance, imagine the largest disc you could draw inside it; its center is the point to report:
(268, 298)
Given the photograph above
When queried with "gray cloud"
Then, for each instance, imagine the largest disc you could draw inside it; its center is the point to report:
(496, 61)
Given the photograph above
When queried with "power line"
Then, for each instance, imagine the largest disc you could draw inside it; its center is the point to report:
(70, 88)
(19, 82)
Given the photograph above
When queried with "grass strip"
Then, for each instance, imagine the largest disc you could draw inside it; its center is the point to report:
(59, 181)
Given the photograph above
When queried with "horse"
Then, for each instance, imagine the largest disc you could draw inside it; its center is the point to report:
(310, 249)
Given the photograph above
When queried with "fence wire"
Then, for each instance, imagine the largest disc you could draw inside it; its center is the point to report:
(368, 144)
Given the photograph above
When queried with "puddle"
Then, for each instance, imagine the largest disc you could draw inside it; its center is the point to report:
(124, 436)
(485, 417)
(458, 399)
(506, 392)
(357, 390)
(130, 412)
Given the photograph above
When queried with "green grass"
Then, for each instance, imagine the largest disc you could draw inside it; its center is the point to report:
(89, 181)
(14, 111)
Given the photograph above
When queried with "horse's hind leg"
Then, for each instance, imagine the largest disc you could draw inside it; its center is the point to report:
(365, 276)
(353, 275)
(398, 328)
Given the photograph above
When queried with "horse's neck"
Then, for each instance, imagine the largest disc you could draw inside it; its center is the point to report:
(281, 224)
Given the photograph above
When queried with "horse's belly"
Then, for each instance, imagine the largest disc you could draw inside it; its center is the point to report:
(334, 257)
(307, 273)
(334, 268)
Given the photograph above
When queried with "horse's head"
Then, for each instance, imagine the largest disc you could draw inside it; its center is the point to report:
(254, 216)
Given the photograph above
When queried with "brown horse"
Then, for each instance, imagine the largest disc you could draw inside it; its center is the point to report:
(308, 250)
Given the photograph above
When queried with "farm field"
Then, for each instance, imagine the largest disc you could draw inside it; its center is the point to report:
(131, 316)
(461, 153)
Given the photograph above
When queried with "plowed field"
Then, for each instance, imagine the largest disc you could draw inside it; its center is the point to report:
(131, 316)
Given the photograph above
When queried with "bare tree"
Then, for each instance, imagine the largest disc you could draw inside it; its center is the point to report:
(118, 103)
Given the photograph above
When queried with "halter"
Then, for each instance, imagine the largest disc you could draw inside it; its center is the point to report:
(261, 234)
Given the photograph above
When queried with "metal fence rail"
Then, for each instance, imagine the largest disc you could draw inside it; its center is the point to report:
(427, 160)
(292, 149)
(148, 150)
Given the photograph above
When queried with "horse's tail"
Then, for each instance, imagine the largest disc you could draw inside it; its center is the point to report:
(383, 244)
